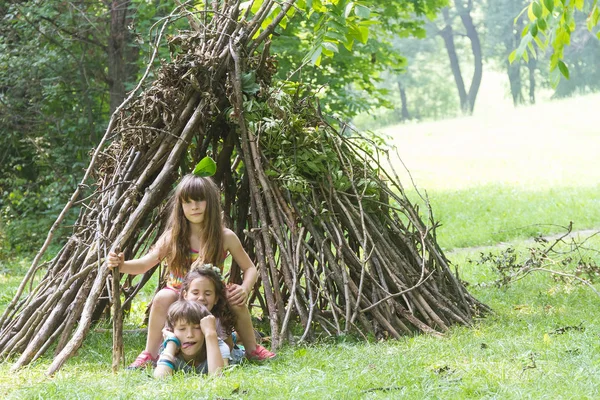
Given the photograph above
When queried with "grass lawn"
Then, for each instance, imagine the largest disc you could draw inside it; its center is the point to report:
(507, 174)
(542, 341)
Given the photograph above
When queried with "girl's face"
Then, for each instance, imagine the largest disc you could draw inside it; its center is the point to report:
(191, 338)
(202, 290)
(194, 210)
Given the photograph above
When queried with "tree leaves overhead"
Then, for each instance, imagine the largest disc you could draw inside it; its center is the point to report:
(345, 46)
(555, 21)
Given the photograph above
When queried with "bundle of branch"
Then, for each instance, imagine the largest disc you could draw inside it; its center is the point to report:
(338, 246)
(342, 246)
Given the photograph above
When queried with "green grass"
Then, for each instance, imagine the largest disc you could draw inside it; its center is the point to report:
(505, 174)
(516, 352)
(498, 213)
(488, 182)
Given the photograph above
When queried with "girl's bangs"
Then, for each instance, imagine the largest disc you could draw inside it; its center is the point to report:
(194, 190)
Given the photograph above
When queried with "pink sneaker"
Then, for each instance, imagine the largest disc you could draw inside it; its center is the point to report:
(260, 354)
(144, 360)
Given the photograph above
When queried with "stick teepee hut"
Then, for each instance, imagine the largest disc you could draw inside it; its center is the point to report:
(338, 246)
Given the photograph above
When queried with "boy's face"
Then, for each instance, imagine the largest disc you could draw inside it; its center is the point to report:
(202, 290)
(191, 338)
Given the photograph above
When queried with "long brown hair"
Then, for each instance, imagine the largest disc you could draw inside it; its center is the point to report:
(221, 311)
(178, 231)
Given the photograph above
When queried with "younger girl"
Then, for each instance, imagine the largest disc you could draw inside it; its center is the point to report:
(195, 231)
(203, 284)
(191, 342)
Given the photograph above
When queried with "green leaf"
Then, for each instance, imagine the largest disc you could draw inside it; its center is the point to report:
(362, 11)
(592, 20)
(348, 9)
(531, 50)
(541, 24)
(537, 9)
(315, 57)
(256, 6)
(364, 34)
(530, 14)
(523, 45)
(554, 78)
(554, 62)
(549, 5)
(563, 37)
(249, 84)
(512, 56)
(579, 4)
(331, 46)
(534, 30)
(348, 43)
(563, 69)
(206, 167)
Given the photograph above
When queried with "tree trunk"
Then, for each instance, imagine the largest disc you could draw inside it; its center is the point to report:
(514, 70)
(531, 66)
(467, 20)
(447, 33)
(514, 78)
(405, 116)
(118, 52)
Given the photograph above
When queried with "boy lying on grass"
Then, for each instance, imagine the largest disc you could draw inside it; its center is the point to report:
(191, 341)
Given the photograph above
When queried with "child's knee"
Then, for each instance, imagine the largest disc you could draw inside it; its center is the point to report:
(164, 298)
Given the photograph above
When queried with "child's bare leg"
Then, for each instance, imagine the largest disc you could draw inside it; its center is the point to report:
(158, 316)
(243, 327)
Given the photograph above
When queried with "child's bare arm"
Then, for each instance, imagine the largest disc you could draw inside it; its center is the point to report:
(214, 359)
(133, 267)
(238, 294)
(166, 361)
(138, 265)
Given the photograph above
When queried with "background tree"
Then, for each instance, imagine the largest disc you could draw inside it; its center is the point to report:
(448, 33)
(351, 49)
(63, 67)
(503, 33)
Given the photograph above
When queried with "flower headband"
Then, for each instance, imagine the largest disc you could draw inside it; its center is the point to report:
(211, 267)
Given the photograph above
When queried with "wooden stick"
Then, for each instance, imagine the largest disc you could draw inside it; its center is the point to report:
(117, 317)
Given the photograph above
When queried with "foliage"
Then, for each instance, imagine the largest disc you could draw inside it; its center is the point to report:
(582, 59)
(299, 149)
(426, 68)
(565, 259)
(553, 24)
(341, 48)
(53, 106)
